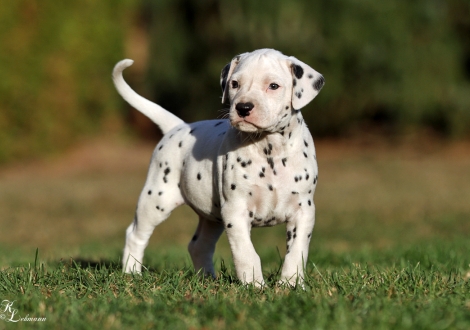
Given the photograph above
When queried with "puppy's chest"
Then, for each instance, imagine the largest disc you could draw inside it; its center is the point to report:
(271, 185)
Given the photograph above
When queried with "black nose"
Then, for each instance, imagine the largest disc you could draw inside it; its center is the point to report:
(244, 109)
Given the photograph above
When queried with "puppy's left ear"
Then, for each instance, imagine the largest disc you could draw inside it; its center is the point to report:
(306, 83)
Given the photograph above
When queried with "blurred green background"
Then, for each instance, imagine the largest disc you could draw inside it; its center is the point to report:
(391, 66)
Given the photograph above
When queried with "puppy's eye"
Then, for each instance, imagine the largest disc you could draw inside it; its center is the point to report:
(234, 84)
(273, 86)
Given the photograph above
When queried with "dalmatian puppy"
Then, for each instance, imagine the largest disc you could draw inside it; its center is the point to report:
(256, 168)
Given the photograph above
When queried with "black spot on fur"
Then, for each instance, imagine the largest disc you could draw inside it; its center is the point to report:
(167, 170)
(318, 84)
(233, 186)
(160, 147)
(295, 192)
(305, 154)
(307, 176)
(261, 174)
(223, 76)
(160, 193)
(158, 207)
(310, 76)
(298, 71)
(245, 176)
(229, 225)
(180, 144)
(150, 192)
(251, 214)
(199, 176)
(271, 162)
(287, 107)
(309, 202)
(299, 95)
(238, 159)
(289, 236)
(270, 187)
(305, 143)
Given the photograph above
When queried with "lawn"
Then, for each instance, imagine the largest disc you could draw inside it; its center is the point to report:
(390, 249)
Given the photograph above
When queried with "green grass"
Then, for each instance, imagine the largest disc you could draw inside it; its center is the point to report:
(425, 286)
(390, 249)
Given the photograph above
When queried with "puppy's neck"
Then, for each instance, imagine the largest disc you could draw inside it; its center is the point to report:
(287, 136)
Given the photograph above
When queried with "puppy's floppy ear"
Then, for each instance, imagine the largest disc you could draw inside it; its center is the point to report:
(306, 83)
(226, 74)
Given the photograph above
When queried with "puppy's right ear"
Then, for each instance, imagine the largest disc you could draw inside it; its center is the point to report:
(226, 74)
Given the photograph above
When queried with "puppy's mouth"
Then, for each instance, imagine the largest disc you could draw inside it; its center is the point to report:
(245, 125)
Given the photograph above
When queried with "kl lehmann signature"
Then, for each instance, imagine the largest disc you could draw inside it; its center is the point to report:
(10, 314)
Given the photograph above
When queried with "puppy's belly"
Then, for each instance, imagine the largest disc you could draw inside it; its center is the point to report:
(198, 187)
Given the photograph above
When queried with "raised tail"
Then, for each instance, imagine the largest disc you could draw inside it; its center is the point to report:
(163, 118)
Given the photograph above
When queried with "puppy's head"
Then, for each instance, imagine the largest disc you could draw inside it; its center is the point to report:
(264, 87)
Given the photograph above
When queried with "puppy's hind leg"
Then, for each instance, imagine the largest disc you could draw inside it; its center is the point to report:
(202, 246)
(153, 208)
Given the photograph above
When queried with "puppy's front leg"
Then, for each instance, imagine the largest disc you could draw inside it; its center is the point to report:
(246, 260)
(299, 233)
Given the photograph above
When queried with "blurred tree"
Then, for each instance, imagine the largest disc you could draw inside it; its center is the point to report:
(55, 62)
(402, 64)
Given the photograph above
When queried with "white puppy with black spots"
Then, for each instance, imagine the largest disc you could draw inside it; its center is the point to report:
(257, 168)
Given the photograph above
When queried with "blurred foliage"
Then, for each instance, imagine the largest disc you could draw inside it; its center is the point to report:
(401, 65)
(55, 62)
(398, 64)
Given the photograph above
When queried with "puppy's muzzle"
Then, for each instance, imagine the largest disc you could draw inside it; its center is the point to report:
(244, 109)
